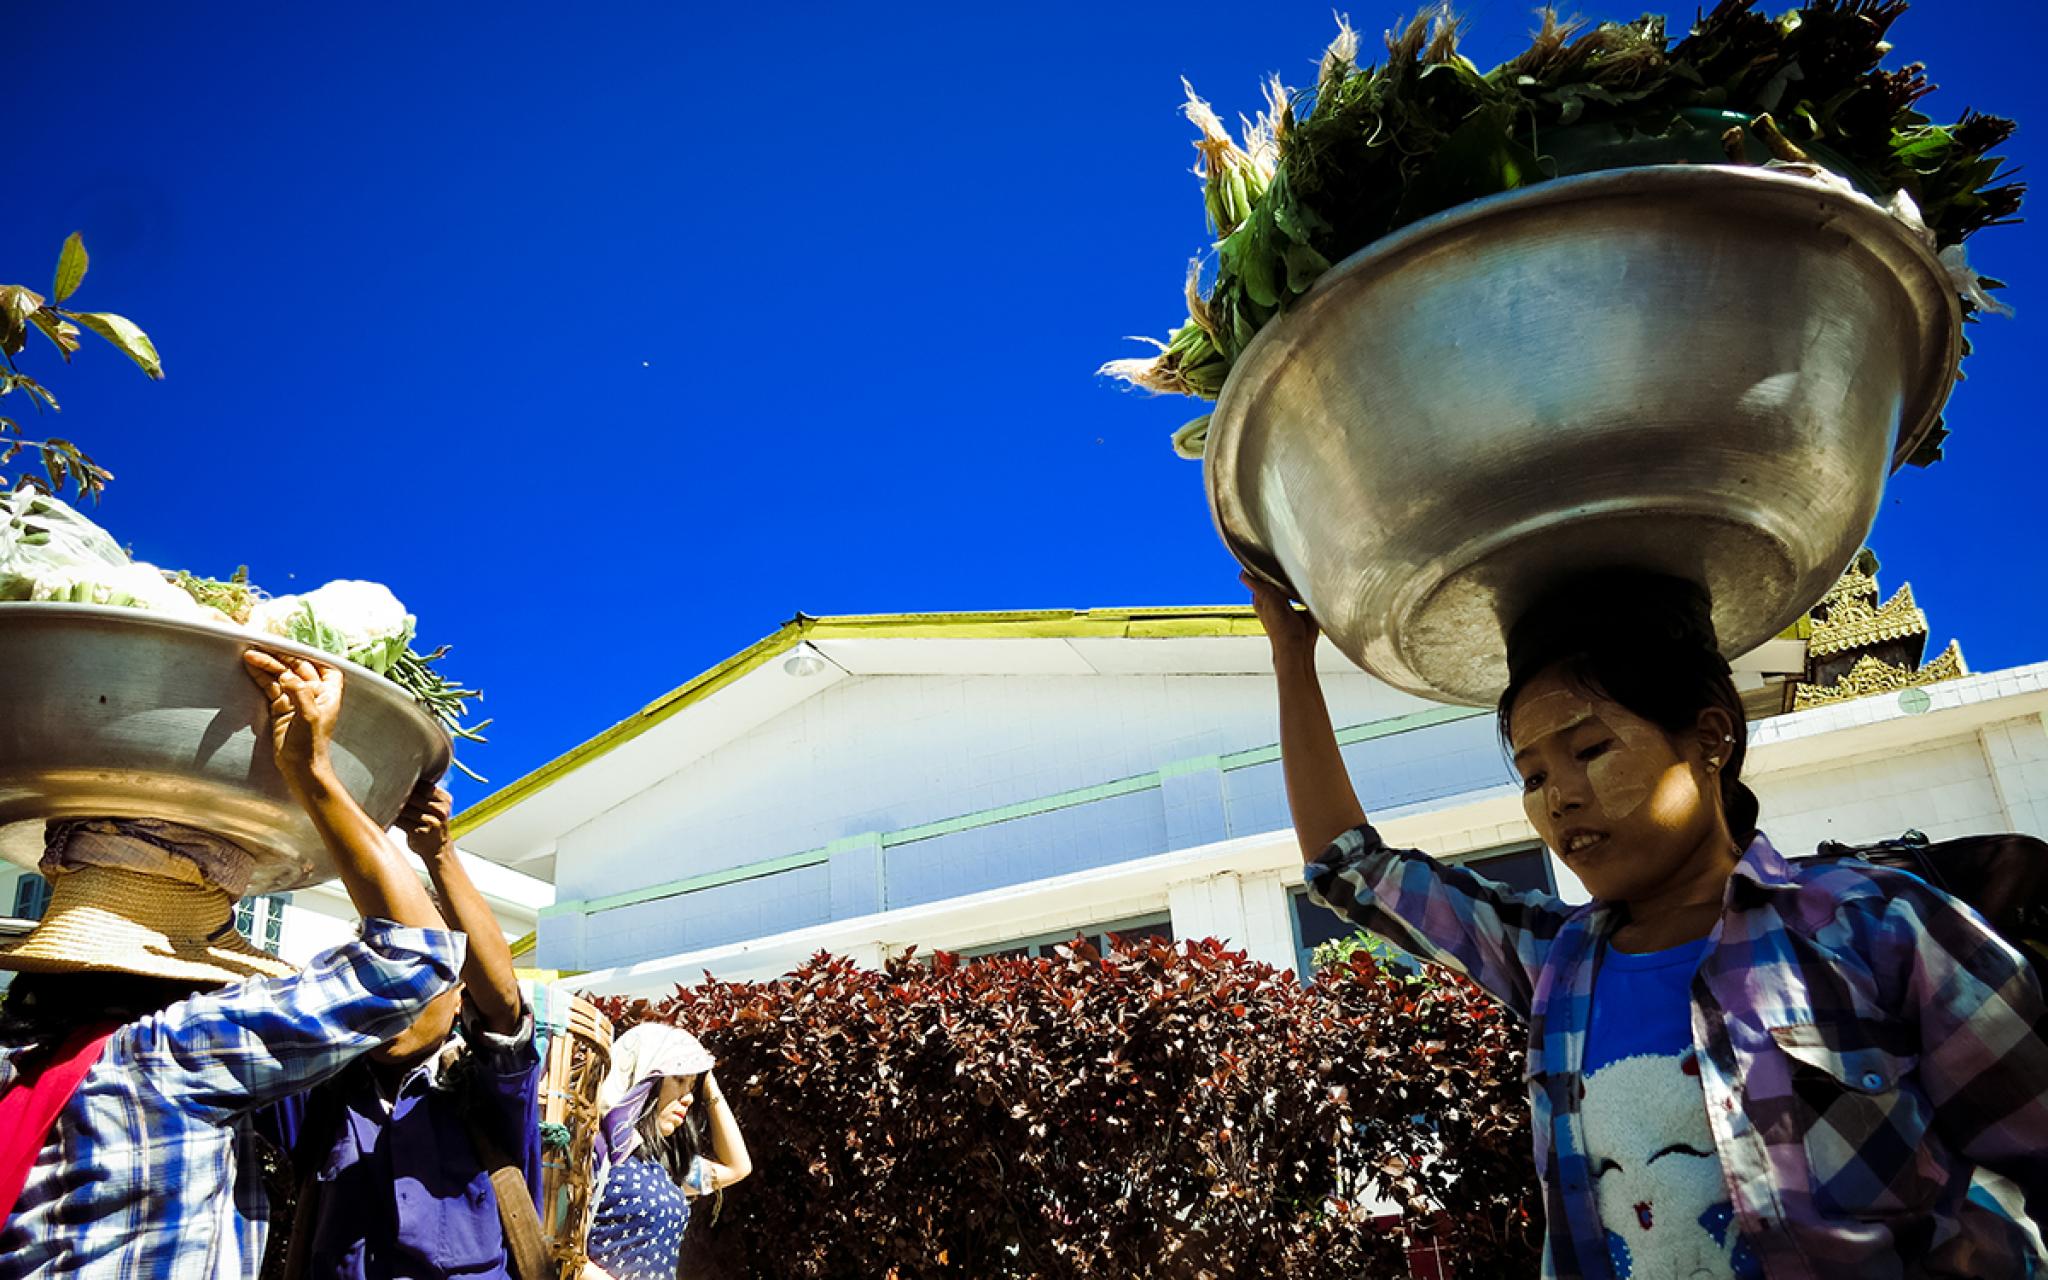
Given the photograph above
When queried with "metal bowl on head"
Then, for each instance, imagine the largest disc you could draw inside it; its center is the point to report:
(118, 713)
(1700, 370)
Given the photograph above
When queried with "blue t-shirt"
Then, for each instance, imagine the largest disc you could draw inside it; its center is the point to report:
(637, 1231)
(1656, 1175)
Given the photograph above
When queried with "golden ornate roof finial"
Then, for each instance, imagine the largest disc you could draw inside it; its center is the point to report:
(1874, 675)
(1858, 583)
(1858, 647)
(1857, 623)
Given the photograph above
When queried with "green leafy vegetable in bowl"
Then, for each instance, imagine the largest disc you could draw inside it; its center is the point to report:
(1320, 174)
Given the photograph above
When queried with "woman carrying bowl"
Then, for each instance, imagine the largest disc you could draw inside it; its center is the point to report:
(144, 1033)
(1738, 1064)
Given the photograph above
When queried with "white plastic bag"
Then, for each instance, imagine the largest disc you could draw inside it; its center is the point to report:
(49, 552)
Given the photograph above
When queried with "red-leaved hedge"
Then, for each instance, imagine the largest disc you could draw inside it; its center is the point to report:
(1163, 1111)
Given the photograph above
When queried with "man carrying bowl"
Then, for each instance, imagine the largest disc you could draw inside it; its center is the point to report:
(421, 1158)
(144, 1032)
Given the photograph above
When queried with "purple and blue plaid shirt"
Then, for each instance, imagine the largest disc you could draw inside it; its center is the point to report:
(1868, 1048)
(148, 1174)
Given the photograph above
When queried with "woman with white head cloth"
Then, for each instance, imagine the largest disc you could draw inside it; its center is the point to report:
(657, 1102)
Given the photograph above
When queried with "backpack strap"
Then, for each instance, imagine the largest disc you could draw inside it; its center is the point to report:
(526, 1245)
(29, 1109)
(288, 1254)
(1909, 852)
(296, 1257)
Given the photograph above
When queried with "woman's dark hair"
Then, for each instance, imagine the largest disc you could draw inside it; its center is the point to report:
(1644, 641)
(679, 1150)
(43, 1008)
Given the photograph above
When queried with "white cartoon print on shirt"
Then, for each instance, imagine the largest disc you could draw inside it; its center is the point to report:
(1655, 1173)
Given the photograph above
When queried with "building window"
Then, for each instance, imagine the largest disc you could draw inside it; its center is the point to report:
(273, 926)
(1314, 925)
(31, 897)
(261, 920)
(1523, 868)
(1101, 936)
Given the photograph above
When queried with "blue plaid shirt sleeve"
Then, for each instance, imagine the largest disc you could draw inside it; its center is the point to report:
(1445, 914)
(1983, 1061)
(224, 1053)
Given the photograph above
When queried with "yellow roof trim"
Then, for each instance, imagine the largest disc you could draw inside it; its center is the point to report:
(1052, 624)
(1168, 622)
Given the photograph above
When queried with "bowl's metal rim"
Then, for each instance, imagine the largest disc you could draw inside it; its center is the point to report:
(1219, 457)
(357, 677)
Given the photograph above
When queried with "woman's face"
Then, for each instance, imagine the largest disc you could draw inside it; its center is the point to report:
(672, 1105)
(1622, 802)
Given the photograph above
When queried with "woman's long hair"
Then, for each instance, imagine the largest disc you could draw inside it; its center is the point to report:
(676, 1152)
(1643, 641)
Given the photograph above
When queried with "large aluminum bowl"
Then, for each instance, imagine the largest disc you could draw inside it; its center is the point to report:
(1702, 370)
(120, 713)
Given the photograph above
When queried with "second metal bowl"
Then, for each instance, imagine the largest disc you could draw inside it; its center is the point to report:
(1701, 370)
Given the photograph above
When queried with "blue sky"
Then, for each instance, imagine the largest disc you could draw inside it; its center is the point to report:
(611, 336)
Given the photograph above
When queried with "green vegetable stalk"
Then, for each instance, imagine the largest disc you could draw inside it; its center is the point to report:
(1322, 173)
(379, 638)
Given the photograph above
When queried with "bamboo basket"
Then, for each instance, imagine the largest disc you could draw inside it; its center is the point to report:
(579, 1053)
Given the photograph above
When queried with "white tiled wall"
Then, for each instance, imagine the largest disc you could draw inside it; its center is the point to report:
(1391, 772)
(2017, 753)
(1254, 913)
(1943, 788)
(1052, 844)
(307, 933)
(709, 918)
(884, 753)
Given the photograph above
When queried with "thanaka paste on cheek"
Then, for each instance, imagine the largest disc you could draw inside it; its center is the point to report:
(1627, 775)
(1536, 719)
(1621, 780)
(1548, 714)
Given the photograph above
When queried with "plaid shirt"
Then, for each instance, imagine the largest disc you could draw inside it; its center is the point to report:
(1867, 1046)
(149, 1170)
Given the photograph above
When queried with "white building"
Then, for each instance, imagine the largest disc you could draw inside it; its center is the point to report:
(299, 925)
(994, 781)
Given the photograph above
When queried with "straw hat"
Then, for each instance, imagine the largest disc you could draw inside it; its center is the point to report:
(113, 920)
